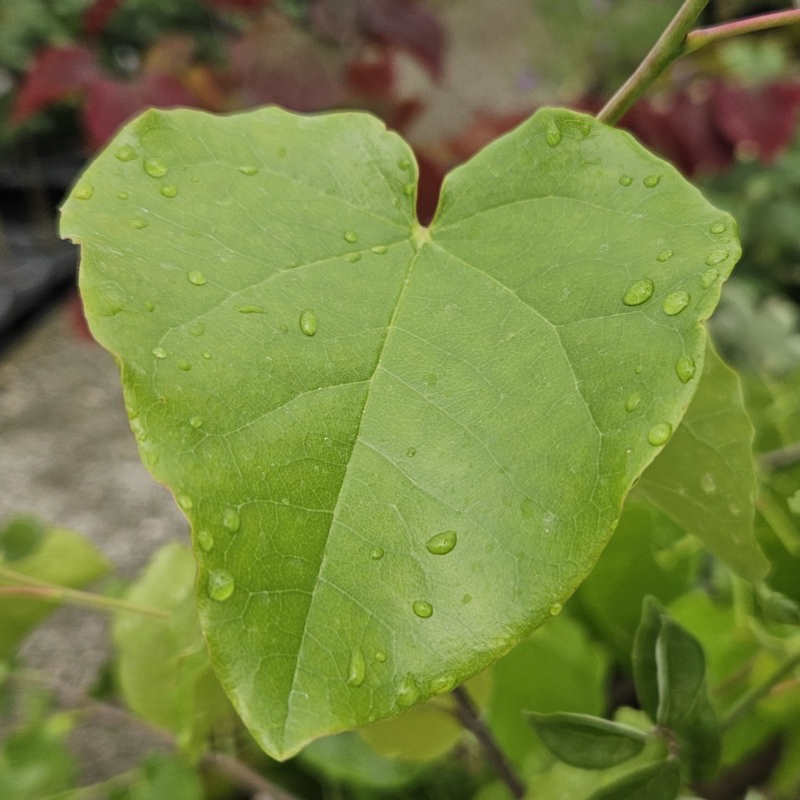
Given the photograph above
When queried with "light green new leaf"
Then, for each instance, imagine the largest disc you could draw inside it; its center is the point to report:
(55, 555)
(705, 479)
(399, 447)
(163, 666)
(586, 741)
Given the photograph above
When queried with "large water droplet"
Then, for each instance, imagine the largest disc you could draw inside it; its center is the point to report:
(155, 168)
(358, 668)
(196, 278)
(308, 322)
(716, 257)
(169, 191)
(159, 352)
(407, 692)
(632, 403)
(220, 585)
(659, 434)
(638, 292)
(685, 368)
(675, 302)
(351, 237)
(84, 191)
(205, 540)
(422, 608)
(625, 180)
(708, 484)
(651, 181)
(125, 153)
(231, 520)
(442, 543)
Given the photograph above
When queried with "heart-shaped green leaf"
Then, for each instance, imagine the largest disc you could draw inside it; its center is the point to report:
(400, 448)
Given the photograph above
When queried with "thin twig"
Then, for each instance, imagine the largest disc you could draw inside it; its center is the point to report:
(749, 699)
(20, 584)
(469, 717)
(714, 33)
(780, 458)
(666, 49)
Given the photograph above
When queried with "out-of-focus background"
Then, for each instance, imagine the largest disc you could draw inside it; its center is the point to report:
(450, 75)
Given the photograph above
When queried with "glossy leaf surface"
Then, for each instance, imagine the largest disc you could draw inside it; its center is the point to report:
(328, 387)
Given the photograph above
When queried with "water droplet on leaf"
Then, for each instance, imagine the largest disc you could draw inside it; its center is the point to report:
(169, 191)
(442, 543)
(407, 692)
(125, 153)
(651, 181)
(555, 609)
(639, 292)
(380, 656)
(708, 484)
(185, 502)
(411, 452)
(196, 278)
(664, 255)
(358, 668)
(716, 257)
(138, 223)
(184, 365)
(718, 227)
(422, 608)
(376, 554)
(659, 434)
(308, 322)
(196, 422)
(709, 277)
(675, 302)
(379, 249)
(625, 180)
(220, 585)
(685, 368)
(351, 237)
(250, 309)
(231, 520)
(159, 352)
(248, 169)
(155, 168)
(205, 540)
(633, 401)
(84, 191)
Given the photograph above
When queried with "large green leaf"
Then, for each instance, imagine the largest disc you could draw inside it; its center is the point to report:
(399, 447)
(705, 479)
(55, 555)
(163, 667)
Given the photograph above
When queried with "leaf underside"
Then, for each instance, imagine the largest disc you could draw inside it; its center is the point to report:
(337, 395)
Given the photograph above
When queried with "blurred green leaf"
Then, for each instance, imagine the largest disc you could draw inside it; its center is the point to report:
(648, 554)
(586, 741)
(163, 667)
(660, 781)
(705, 477)
(20, 536)
(167, 778)
(645, 669)
(557, 669)
(777, 607)
(61, 557)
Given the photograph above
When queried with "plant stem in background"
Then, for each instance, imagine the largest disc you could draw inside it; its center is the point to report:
(677, 40)
(783, 457)
(469, 717)
(667, 48)
(22, 585)
(715, 33)
(751, 698)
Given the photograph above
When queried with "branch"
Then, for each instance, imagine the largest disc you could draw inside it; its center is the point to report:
(25, 586)
(468, 716)
(716, 33)
(668, 47)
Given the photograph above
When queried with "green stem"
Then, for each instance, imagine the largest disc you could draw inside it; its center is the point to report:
(757, 693)
(716, 33)
(782, 457)
(25, 586)
(669, 46)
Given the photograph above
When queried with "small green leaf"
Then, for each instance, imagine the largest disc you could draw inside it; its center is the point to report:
(660, 781)
(645, 670)
(586, 741)
(705, 478)
(326, 385)
(167, 777)
(164, 673)
(20, 537)
(776, 606)
(61, 557)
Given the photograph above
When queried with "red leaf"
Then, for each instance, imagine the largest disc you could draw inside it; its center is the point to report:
(56, 74)
(97, 15)
(762, 120)
(109, 103)
(371, 76)
(406, 24)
